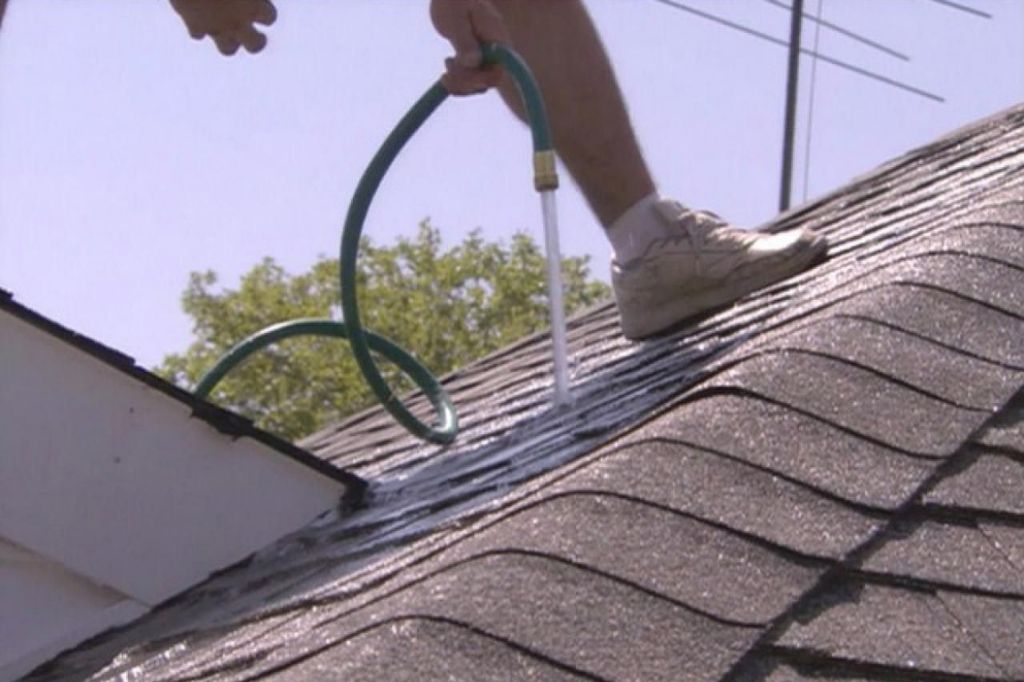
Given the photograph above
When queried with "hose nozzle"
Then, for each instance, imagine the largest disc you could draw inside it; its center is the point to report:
(545, 173)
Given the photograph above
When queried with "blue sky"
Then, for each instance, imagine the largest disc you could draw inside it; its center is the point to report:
(131, 155)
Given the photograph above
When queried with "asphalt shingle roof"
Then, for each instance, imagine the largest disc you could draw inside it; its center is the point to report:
(821, 482)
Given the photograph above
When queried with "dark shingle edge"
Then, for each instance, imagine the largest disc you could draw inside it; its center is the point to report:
(224, 421)
(841, 572)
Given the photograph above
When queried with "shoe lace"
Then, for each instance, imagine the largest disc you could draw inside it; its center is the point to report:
(701, 227)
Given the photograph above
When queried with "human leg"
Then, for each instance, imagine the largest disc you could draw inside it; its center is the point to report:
(589, 122)
(669, 262)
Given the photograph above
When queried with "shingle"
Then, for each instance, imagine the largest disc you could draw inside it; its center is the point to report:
(662, 552)
(996, 233)
(925, 365)
(785, 673)
(798, 446)
(577, 617)
(683, 559)
(993, 482)
(944, 317)
(1009, 539)
(1006, 432)
(738, 496)
(1004, 436)
(989, 229)
(996, 625)
(949, 553)
(890, 626)
(863, 402)
(998, 285)
(419, 650)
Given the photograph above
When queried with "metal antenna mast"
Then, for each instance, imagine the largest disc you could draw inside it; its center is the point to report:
(792, 80)
(782, 43)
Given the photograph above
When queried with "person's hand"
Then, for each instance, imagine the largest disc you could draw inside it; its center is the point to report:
(231, 23)
(466, 24)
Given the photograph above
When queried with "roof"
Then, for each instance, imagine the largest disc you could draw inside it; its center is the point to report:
(820, 482)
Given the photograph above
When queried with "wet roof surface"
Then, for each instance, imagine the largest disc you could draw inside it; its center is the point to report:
(821, 482)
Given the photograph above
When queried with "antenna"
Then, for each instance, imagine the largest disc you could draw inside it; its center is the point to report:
(811, 100)
(963, 8)
(792, 78)
(846, 32)
(825, 58)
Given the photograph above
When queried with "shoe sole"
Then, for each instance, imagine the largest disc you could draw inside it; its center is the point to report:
(684, 307)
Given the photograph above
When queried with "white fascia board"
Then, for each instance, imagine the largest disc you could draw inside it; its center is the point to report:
(116, 481)
(45, 609)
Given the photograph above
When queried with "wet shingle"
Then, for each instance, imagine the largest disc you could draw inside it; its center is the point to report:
(995, 233)
(423, 649)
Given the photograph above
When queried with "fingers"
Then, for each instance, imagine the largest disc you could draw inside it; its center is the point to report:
(461, 80)
(464, 40)
(230, 23)
(252, 40)
(227, 43)
(466, 24)
(475, 22)
(264, 13)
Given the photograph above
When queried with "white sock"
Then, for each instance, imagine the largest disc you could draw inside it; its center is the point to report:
(635, 229)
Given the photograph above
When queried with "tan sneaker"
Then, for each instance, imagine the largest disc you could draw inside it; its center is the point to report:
(700, 264)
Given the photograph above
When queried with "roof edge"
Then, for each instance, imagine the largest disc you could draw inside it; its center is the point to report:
(221, 419)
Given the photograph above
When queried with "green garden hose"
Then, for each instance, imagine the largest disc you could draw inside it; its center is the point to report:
(363, 341)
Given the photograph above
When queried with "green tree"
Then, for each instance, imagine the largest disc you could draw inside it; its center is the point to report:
(446, 307)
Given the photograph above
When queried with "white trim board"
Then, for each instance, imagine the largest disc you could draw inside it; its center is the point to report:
(116, 482)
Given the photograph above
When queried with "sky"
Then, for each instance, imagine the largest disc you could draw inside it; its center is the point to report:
(132, 155)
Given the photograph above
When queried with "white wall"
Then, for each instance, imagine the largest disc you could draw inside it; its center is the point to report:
(45, 608)
(110, 481)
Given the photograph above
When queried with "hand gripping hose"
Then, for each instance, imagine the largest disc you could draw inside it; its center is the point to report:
(361, 340)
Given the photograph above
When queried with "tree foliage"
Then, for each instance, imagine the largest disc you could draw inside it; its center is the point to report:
(446, 307)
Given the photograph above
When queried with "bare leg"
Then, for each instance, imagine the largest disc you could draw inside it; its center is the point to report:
(659, 277)
(590, 126)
